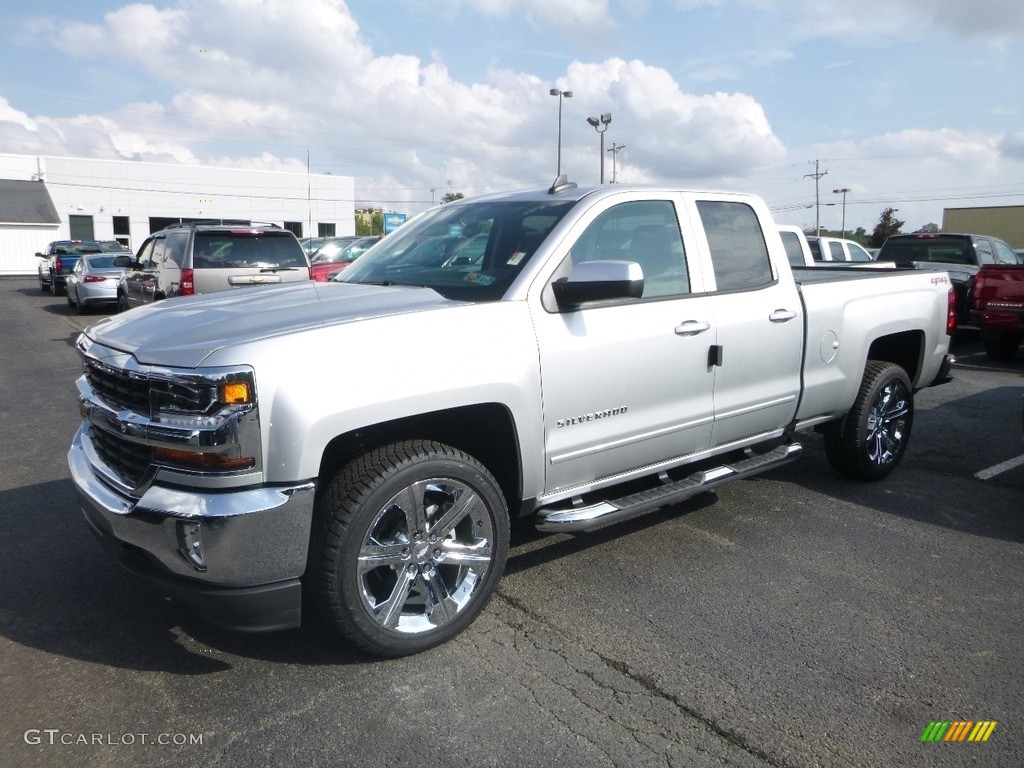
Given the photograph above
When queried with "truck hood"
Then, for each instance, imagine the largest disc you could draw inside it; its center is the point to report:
(182, 332)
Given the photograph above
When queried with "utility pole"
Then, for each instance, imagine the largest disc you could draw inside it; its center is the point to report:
(615, 151)
(817, 196)
(843, 192)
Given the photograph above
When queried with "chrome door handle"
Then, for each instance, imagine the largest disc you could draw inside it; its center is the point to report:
(691, 327)
(781, 315)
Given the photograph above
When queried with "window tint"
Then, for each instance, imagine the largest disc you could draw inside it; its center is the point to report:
(646, 232)
(247, 248)
(146, 253)
(157, 255)
(835, 250)
(738, 251)
(936, 248)
(174, 251)
(984, 248)
(1004, 254)
(815, 247)
(794, 252)
(857, 253)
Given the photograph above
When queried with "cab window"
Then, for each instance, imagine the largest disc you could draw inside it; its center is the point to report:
(739, 254)
(646, 232)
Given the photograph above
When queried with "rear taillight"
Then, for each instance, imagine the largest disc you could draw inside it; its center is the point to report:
(187, 287)
(93, 279)
(58, 265)
(950, 312)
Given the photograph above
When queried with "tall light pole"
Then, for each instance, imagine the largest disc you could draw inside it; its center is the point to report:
(560, 94)
(605, 121)
(842, 192)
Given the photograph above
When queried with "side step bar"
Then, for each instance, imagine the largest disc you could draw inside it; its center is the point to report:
(608, 511)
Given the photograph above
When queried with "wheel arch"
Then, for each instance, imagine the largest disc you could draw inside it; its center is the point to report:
(485, 431)
(905, 349)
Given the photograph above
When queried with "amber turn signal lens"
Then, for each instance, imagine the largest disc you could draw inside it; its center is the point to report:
(212, 461)
(235, 393)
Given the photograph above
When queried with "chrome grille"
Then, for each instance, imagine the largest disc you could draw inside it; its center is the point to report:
(129, 460)
(125, 390)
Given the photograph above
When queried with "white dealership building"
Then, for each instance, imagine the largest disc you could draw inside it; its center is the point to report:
(46, 198)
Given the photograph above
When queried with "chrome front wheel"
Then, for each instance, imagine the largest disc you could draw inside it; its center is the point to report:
(408, 545)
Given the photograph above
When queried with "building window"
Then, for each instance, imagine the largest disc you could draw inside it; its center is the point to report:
(325, 229)
(295, 227)
(122, 231)
(81, 228)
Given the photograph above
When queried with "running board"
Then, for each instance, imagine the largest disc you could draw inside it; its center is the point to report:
(588, 517)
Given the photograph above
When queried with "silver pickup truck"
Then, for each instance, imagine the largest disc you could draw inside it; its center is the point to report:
(573, 356)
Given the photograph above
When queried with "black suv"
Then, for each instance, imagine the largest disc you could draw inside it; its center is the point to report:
(186, 259)
(960, 255)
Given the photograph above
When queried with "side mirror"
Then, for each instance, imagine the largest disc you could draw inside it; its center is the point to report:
(40, 255)
(123, 261)
(592, 281)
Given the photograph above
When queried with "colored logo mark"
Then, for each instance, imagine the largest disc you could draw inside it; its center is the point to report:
(959, 730)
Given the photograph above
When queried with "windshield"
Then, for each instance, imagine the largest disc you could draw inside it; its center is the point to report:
(469, 251)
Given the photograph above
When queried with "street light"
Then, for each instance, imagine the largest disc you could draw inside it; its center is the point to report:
(605, 120)
(842, 192)
(560, 94)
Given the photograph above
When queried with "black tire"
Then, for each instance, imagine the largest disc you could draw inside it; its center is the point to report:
(42, 285)
(870, 441)
(54, 288)
(408, 544)
(1000, 345)
(122, 303)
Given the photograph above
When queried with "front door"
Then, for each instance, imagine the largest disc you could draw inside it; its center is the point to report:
(627, 384)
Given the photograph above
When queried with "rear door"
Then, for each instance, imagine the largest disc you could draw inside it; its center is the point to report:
(758, 319)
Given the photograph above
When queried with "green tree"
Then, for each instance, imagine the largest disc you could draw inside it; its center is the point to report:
(451, 196)
(887, 225)
(369, 222)
(931, 228)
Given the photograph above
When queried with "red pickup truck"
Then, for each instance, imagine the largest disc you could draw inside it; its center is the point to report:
(998, 308)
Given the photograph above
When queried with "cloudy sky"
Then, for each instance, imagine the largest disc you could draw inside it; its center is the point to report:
(914, 104)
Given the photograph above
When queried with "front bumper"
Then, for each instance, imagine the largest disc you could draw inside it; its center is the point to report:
(235, 556)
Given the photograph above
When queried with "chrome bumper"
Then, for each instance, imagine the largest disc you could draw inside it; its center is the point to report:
(234, 555)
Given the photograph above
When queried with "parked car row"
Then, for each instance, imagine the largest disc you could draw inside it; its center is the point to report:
(187, 259)
(961, 255)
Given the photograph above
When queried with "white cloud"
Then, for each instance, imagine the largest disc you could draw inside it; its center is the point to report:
(567, 16)
(994, 21)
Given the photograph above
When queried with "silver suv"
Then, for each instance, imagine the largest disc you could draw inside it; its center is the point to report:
(187, 259)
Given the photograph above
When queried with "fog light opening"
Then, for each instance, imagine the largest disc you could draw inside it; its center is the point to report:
(190, 544)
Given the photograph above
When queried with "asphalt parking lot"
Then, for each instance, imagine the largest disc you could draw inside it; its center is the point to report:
(795, 619)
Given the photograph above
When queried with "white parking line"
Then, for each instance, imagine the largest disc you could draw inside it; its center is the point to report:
(998, 469)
